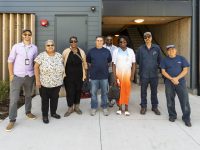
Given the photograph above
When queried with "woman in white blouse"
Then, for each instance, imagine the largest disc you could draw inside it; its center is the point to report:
(124, 70)
(49, 71)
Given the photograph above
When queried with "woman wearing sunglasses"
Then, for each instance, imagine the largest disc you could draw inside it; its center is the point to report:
(49, 72)
(75, 73)
(124, 70)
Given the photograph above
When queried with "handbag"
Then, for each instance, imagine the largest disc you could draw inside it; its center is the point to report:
(114, 92)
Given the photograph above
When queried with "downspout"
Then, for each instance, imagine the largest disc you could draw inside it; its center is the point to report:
(194, 49)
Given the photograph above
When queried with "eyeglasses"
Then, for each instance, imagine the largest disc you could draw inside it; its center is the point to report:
(147, 37)
(27, 34)
(50, 45)
(73, 41)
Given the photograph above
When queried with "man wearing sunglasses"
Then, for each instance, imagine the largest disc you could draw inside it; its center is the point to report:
(21, 74)
(109, 45)
(148, 57)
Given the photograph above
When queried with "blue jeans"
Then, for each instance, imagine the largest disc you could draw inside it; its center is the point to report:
(181, 90)
(95, 85)
(153, 85)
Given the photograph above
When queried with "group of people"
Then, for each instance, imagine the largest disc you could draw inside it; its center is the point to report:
(107, 64)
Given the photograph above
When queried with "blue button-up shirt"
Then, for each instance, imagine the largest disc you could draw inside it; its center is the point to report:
(148, 60)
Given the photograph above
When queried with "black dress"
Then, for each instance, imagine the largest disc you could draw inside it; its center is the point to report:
(73, 80)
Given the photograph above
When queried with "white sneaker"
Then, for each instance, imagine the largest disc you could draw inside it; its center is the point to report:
(127, 113)
(105, 112)
(93, 112)
(119, 112)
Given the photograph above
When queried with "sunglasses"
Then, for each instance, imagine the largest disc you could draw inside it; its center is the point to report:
(147, 37)
(50, 45)
(27, 34)
(73, 41)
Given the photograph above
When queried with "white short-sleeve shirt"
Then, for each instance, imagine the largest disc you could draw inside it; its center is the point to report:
(51, 69)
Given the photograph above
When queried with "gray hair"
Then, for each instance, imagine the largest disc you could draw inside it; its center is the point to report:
(49, 41)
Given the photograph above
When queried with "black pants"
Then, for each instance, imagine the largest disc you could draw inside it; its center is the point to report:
(73, 90)
(51, 94)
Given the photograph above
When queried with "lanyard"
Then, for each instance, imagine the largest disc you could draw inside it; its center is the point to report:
(26, 50)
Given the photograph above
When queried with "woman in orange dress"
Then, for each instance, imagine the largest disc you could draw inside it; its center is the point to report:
(124, 69)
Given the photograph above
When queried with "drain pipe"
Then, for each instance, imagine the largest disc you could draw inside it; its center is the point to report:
(194, 48)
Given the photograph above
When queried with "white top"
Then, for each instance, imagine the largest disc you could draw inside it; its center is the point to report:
(111, 48)
(51, 69)
(128, 53)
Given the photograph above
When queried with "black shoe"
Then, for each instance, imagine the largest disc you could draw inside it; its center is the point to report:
(188, 123)
(45, 120)
(172, 119)
(143, 110)
(55, 116)
(156, 111)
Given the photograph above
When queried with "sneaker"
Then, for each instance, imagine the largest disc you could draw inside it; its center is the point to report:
(31, 116)
(156, 111)
(105, 112)
(143, 111)
(111, 103)
(93, 112)
(10, 126)
(119, 112)
(127, 113)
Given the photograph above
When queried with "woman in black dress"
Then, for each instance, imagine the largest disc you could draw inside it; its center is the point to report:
(75, 73)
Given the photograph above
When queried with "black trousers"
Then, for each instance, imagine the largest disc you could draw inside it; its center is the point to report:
(73, 90)
(51, 94)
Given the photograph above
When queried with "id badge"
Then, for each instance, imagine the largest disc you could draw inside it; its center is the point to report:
(26, 61)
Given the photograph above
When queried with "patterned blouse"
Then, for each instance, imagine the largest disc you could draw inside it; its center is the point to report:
(51, 69)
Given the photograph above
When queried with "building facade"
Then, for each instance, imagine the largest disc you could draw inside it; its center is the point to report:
(87, 18)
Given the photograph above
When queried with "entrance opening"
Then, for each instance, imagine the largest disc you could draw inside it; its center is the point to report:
(165, 30)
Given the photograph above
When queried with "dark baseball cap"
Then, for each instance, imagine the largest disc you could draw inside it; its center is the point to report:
(26, 30)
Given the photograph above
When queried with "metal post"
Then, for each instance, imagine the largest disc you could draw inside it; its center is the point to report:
(194, 48)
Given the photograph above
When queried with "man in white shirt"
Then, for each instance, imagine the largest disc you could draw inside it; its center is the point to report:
(109, 45)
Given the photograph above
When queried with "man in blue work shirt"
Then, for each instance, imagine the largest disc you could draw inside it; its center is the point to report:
(98, 59)
(174, 68)
(148, 57)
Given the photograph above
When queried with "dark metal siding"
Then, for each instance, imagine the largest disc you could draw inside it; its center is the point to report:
(47, 9)
(147, 8)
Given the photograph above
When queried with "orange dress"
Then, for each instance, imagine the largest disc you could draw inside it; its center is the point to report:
(123, 61)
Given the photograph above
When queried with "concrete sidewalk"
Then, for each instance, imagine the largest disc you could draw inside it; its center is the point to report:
(113, 132)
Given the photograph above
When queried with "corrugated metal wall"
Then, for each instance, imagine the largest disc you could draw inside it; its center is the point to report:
(47, 9)
(11, 25)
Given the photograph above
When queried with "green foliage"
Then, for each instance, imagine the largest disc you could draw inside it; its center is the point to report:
(4, 90)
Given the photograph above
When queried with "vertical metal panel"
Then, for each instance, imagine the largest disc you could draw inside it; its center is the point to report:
(5, 45)
(19, 28)
(1, 57)
(12, 31)
(32, 27)
(25, 16)
(11, 26)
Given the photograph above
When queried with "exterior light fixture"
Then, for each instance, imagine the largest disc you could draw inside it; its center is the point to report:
(93, 8)
(139, 20)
